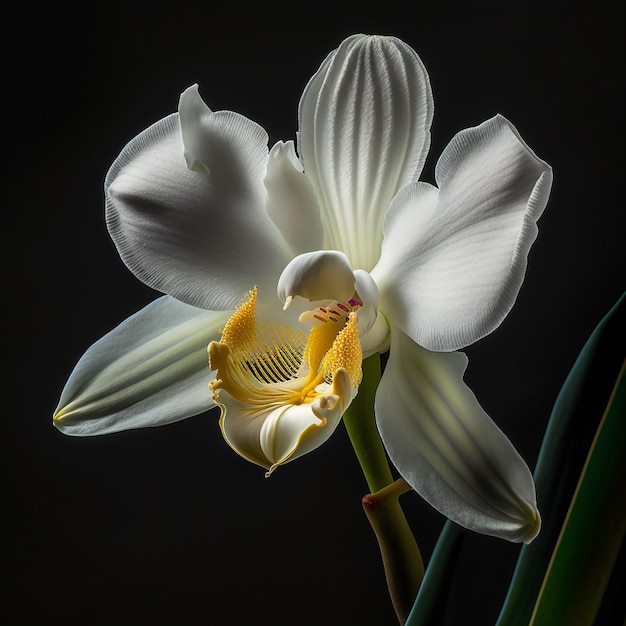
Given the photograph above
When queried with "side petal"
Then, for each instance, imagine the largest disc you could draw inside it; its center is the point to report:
(365, 121)
(149, 371)
(202, 236)
(448, 449)
(453, 260)
(291, 201)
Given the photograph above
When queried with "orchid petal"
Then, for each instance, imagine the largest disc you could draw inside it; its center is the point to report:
(453, 260)
(319, 275)
(241, 429)
(150, 370)
(366, 291)
(291, 201)
(225, 144)
(377, 339)
(365, 121)
(202, 236)
(447, 448)
(284, 432)
(296, 431)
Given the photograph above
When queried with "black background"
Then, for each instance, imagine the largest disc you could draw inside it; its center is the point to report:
(168, 525)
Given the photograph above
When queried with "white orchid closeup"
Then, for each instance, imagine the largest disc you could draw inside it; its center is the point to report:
(363, 257)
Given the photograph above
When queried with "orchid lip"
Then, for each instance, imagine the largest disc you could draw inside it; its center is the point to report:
(276, 386)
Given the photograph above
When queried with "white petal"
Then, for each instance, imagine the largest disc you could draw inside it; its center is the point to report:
(241, 428)
(228, 146)
(365, 121)
(291, 201)
(447, 448)
(378, 337)
(285, 432)
(293, 431)
(283, 428)
(204, 238)
(367, 291)
(319, 275)
(150, 370)
(453, 261)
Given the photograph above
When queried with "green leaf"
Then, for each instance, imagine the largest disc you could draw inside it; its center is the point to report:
(568, 439)
(433, 599)
(593, 532)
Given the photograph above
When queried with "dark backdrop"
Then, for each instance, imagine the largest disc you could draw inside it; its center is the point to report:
(168, 526)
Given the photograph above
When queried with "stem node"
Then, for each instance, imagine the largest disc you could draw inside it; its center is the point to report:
(404, 568)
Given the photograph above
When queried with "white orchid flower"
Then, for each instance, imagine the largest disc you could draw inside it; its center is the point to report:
(364, 258)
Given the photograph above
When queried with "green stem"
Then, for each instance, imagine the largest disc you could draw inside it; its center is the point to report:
(404, 568)
(361, 426)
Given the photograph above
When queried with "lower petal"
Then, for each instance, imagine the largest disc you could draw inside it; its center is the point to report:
(300, 434)
(446, 446)
(149, 371)
(276, 433)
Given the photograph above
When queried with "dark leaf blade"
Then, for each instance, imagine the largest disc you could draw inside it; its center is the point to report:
(592, 535)
(431, 604)
(569, 436)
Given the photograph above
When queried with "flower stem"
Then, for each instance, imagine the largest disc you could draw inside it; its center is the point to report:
(402, 560)
(404, 568)
(360, 423)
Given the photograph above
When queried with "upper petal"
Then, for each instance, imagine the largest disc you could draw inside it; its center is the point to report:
(202, 236)
(150, 370)
(453, 260)
(365, 121)
(446, 446)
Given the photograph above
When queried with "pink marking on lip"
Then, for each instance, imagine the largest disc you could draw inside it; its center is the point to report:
(354, 303)
(343, 307)
(320, 318)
